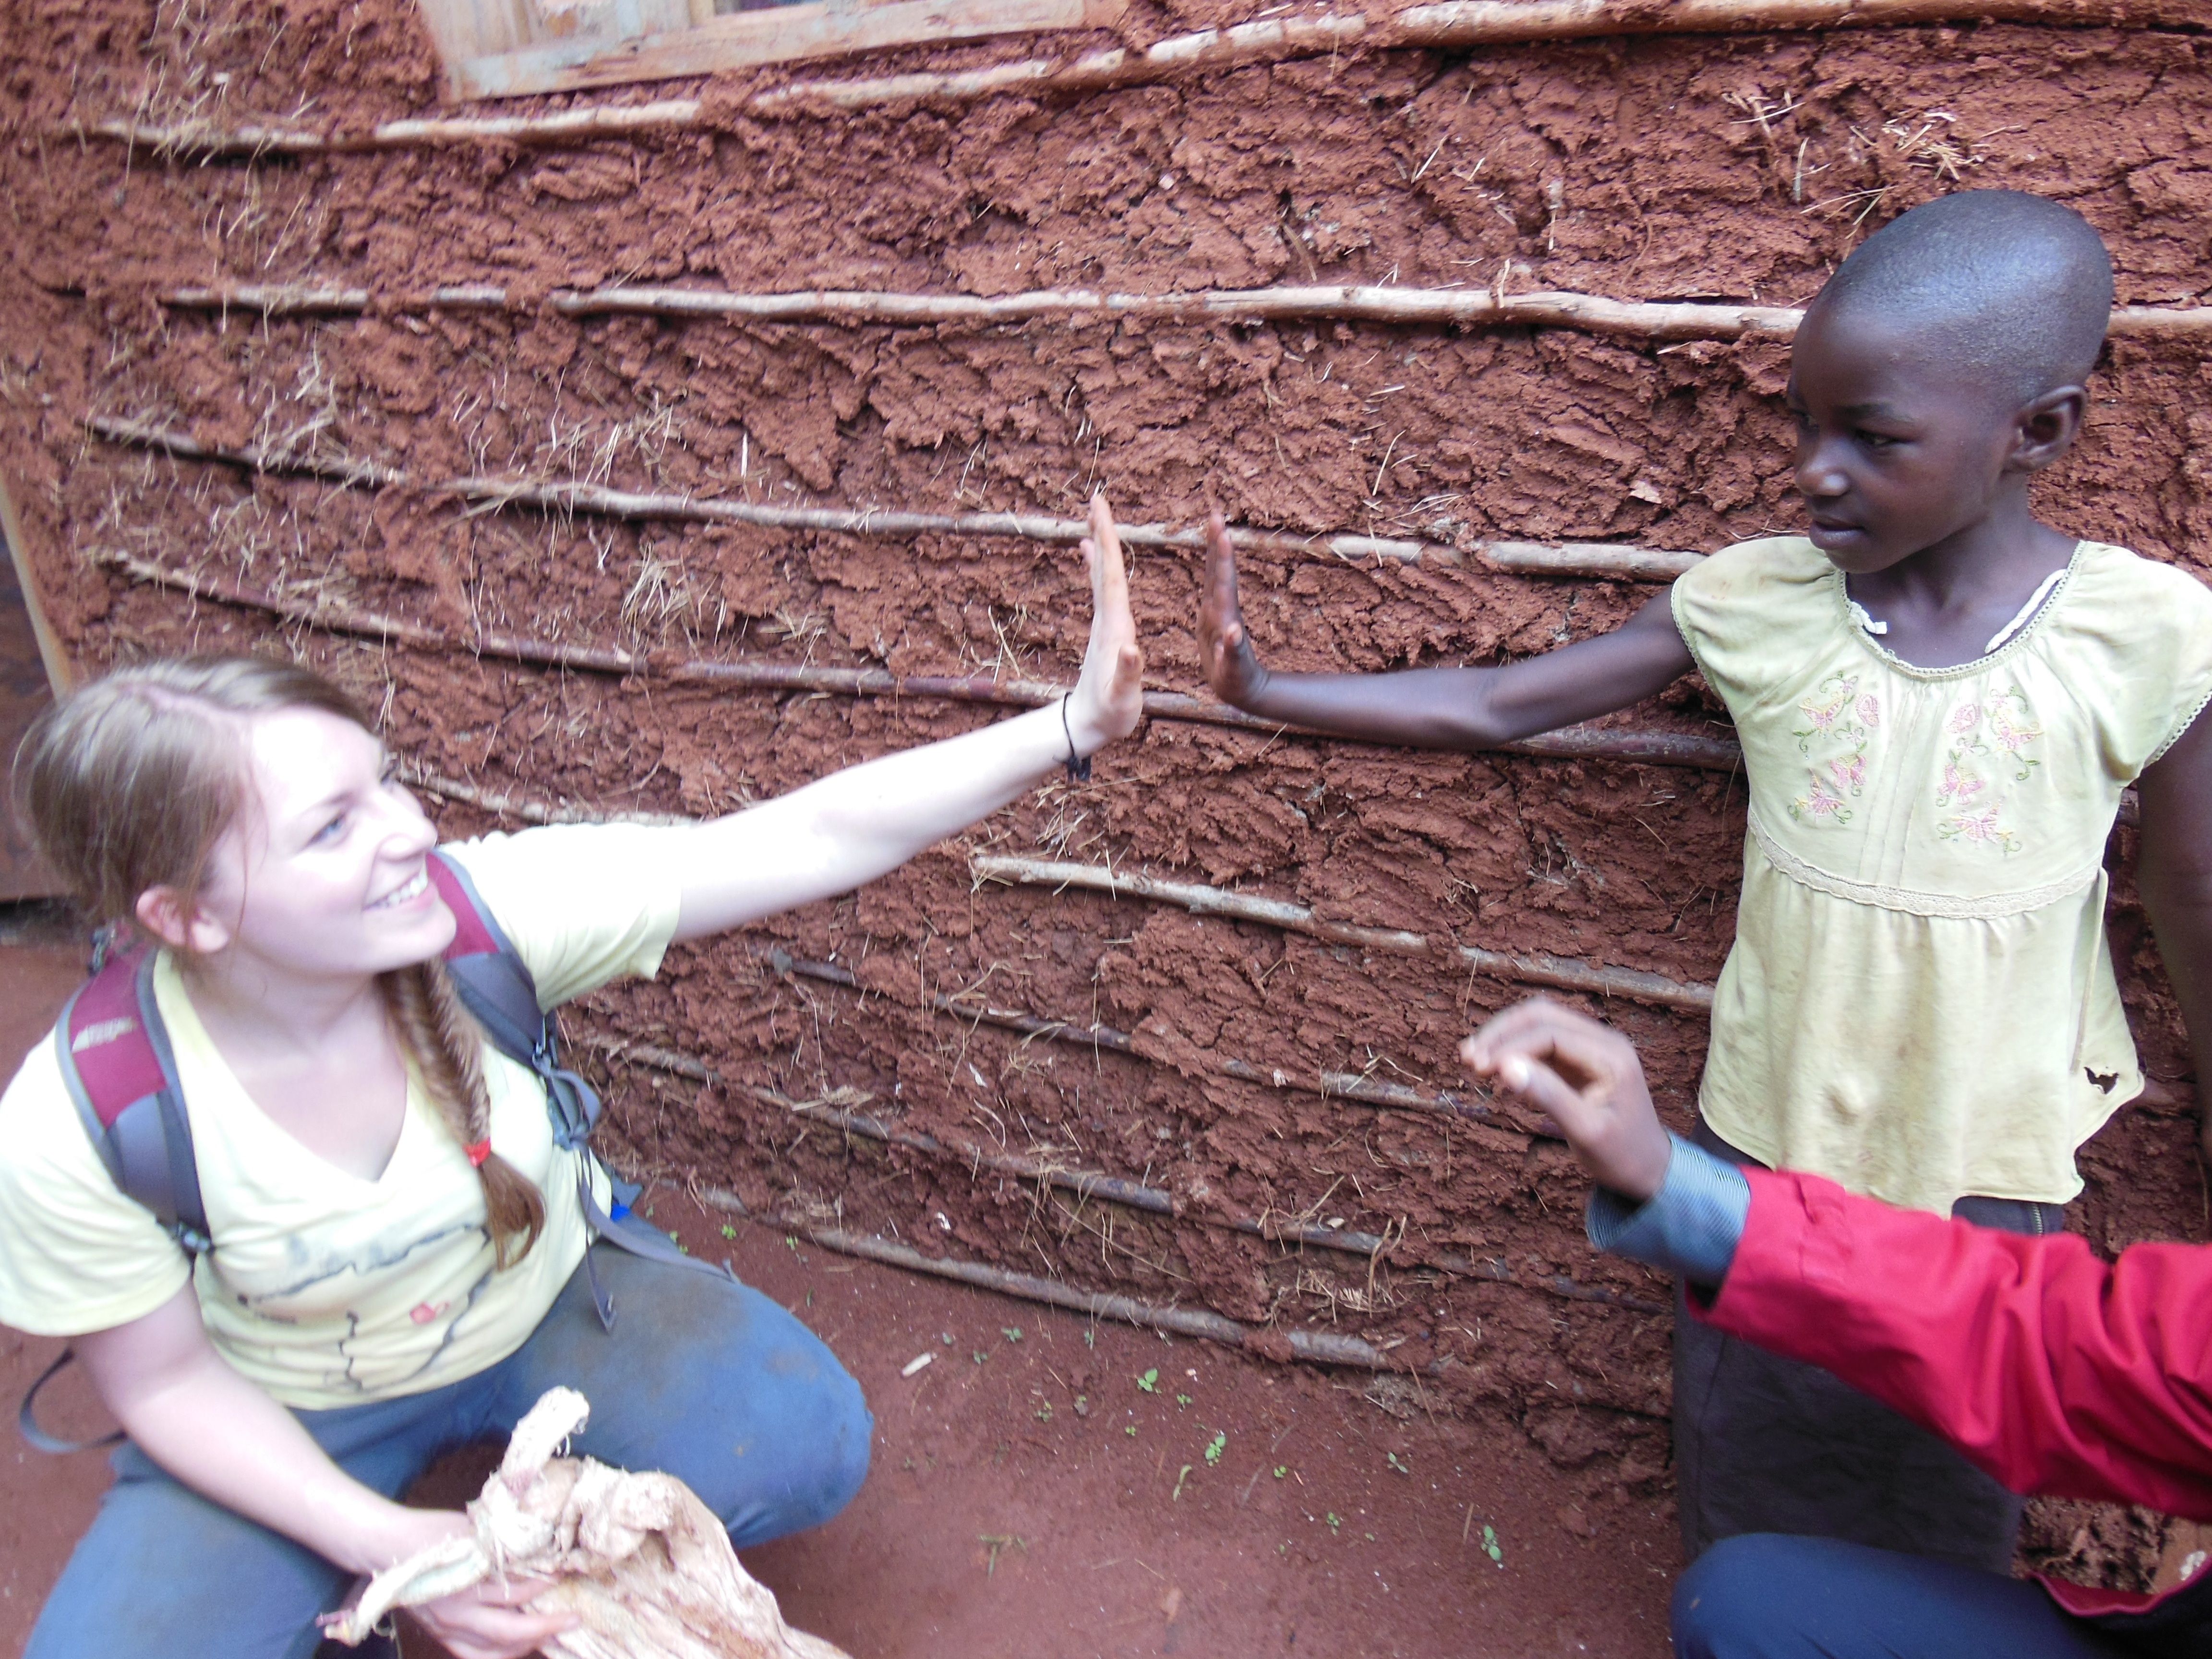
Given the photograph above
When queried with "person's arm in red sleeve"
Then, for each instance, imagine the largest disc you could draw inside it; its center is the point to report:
(2057, 1372)
(2053, 1370)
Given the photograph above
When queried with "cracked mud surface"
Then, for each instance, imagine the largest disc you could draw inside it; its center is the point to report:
(1645, 168)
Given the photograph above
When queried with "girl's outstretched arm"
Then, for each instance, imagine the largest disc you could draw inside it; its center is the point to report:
(853, 826)
(2175, 875)
(1437, 708)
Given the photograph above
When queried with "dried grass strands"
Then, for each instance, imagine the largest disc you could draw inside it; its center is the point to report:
(1593, 559)
(1559, 972)
(1457, 25)
(369, 624)
(1329, 1085)
(1086, 1183)
(1430, 308)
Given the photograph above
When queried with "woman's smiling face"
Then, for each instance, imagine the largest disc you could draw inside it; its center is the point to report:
(1898, 445)
(325, 875)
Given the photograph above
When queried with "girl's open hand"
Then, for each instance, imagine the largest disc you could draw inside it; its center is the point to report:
(1109, 694)
(1587, 1078)
(1224, 644)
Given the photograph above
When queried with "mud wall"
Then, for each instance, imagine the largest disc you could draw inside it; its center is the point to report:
(1638, 168)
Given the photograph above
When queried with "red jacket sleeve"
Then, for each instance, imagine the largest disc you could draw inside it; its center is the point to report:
(2054, 1371)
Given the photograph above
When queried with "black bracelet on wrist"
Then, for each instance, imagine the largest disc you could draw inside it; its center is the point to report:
(1078, 766)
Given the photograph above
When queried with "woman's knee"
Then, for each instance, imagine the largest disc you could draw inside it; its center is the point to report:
(822, 1434)
(1734, 1603)
(163, 1570)
(844, 1436)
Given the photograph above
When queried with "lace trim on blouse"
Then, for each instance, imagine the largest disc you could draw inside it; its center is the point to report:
(1950, 906)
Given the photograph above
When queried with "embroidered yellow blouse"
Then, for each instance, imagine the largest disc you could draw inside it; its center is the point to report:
(1920, 1003)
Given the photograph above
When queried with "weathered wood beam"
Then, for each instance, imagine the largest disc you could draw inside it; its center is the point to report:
(1458, 26)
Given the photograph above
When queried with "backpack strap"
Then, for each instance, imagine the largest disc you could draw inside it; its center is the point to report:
(122, 1077)
(497, 985)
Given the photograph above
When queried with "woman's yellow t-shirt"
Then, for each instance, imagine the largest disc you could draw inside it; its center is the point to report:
(325, 1289)
(1920, 1002)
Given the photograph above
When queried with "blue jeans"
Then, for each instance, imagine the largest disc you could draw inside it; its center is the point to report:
(701, 1376)
(1762, 1595)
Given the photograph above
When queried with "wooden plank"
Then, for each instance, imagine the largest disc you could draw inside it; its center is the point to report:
(31, 669)
(824, 28)
(60, 674)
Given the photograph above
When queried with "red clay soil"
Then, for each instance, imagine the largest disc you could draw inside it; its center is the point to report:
(1011, 1503)
(1643, 168)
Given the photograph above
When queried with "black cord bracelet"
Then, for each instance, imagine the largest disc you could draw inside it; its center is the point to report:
(1078, 766)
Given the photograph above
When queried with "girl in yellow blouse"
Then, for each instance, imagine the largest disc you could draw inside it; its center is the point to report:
(1940, 701)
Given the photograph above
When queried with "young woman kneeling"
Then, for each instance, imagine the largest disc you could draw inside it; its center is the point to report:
(402, 1260)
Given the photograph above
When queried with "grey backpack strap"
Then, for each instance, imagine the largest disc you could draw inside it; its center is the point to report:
(497, 985)
(116, 1062)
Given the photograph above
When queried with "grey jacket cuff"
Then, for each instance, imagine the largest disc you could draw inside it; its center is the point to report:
(1689, 1228)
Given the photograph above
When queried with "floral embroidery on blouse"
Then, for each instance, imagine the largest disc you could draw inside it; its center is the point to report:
(1837, 717)
(1998, 729)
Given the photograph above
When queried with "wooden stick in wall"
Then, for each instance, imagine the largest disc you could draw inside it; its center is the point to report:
(1457, 25)
(1330, 1085)
(1416, 306)
(1134, 1194)
(1423, 308)
(1561, 973)
(1573, 743)
(1596, 561)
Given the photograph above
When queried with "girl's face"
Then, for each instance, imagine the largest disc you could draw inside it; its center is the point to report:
(323, 875)
(1900, 447)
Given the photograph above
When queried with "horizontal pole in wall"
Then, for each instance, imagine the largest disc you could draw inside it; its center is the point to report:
(1427, 307)
(1560, 973)
(1132, 1195)
(1318, 1347)
(1459, 25)
(1573, 743)
(1329, 1085)
(1311, 1348)
(1430, 307)
(1590, 560)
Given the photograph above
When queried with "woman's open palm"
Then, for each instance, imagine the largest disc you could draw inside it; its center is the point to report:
(1109, 694)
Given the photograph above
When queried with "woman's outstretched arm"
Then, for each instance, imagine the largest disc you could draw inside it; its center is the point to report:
(847, 829)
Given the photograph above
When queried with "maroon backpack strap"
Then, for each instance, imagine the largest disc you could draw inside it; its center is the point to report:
(115, 1061)
(122, 1078)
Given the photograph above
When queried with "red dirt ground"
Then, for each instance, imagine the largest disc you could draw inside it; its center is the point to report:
(1095, 1552)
